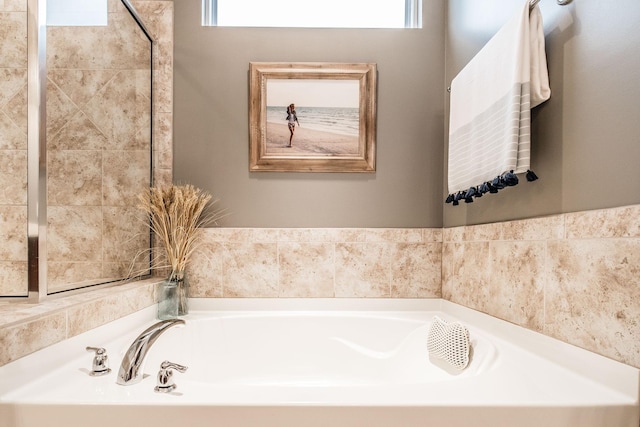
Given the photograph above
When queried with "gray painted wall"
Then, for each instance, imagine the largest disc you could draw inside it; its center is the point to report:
(586, 138)
(211, 123)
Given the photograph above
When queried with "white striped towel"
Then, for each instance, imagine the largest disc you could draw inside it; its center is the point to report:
(491, 101)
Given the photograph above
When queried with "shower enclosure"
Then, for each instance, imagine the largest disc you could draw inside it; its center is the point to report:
(75, 149)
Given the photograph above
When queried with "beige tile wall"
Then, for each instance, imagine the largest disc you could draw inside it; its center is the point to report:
(98, 145)
(26, 328)
(575, 277)
(13, 147)
(93, 142)
(362, 263)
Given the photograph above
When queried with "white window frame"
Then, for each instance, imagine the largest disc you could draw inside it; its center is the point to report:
(412, 16)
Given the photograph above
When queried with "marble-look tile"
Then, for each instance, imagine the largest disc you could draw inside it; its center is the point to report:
(113, 110)
(143, 136)
(13, 177)
(80, 85)
(12, 136)
(26, 338)
(13, 281)
(123, 269)
(205, 269)
(416, 270)
(163, 90)
(76, 47)
(163, 159)
(474, 233)
(515, 291)
(363, 270)
(125, 232)
(74, 233)
(265, 235)
(13, 40)
(142, 120)
(228, 234)
(12, 80)
(617, 222)
(592, 296)
(466, 273)
(163, 131)
(16, 109)
(13, 233)
(545, 228)
(60, 109)
(78, 133)
(250, 270)
(162, 176)
(483, 232)
(306, 269)
(334, 235)
(453, 234)
(158, 18)
(432, 235)
(13, 5)
(130, 43)
(125, 175)
(164, 59)
(95, 313)
(113, 5)
(394, 235)
(65, 275)
(74, 178)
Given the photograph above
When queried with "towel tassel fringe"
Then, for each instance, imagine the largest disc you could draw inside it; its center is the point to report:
(507, 179)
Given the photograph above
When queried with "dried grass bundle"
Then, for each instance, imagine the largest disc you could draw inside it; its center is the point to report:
(175, 213)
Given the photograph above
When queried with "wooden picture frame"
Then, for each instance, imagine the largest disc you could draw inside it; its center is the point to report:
(334, 120)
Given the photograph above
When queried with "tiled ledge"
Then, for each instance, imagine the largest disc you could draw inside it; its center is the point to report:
(26, 328)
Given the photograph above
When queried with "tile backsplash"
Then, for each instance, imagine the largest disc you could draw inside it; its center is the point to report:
(321, 262)
(575, 277)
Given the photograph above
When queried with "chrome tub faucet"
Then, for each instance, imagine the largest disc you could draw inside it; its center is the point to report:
(133, 362)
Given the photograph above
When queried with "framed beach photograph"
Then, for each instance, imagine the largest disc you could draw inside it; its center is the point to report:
(312, 117)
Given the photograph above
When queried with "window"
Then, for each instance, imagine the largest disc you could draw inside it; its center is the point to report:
(313, 13)
(77, 13)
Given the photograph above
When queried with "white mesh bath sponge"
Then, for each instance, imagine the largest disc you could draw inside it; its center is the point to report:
(449, 342)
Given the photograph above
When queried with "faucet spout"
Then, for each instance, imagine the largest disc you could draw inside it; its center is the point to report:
(133, 362)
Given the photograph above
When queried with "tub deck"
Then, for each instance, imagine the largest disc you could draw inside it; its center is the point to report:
(322, 363)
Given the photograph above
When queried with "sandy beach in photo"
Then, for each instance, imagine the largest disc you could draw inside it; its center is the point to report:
(309, 142)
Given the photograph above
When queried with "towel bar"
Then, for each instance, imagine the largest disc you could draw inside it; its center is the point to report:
(560, 2)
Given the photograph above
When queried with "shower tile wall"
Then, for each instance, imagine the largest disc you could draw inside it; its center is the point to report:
(574, 277)
(98, 143)
(13, 147)
(94, 142)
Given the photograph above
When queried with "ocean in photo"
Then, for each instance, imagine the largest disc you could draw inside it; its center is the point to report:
(344, 121)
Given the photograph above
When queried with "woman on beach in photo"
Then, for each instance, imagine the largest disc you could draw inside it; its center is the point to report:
(292, 119)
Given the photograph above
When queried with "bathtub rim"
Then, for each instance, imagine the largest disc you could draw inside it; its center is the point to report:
(622, 378)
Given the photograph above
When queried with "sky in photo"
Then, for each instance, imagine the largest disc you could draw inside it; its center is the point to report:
(313, 92)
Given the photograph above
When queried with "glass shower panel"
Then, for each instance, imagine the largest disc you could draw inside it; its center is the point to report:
(13, 148)
(98, 151)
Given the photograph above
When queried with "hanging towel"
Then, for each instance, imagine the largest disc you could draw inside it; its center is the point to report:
(491, 101)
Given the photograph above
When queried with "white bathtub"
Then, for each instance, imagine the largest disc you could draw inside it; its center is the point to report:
(313, 363)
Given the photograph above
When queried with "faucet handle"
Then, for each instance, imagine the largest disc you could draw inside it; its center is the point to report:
(100, 364)
(165, 383)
